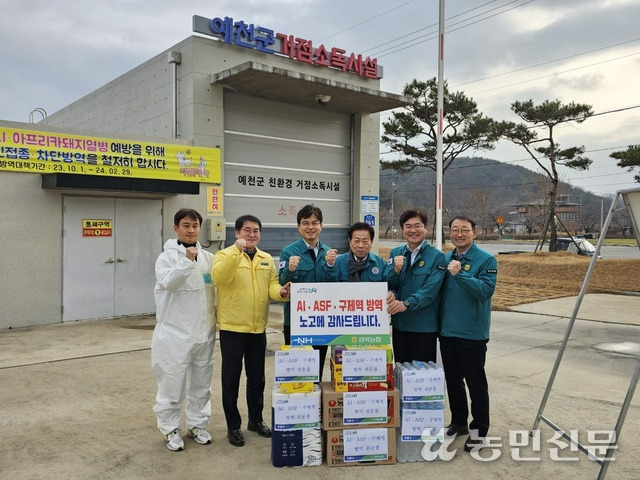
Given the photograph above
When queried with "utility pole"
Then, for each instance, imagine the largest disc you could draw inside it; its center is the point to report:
(393, 194)
(439, 172)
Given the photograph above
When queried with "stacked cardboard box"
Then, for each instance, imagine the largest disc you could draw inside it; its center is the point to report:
(336, 452)
(295, 383)
(422, 390)
(360, 415)
(337, 380)
(297, 429)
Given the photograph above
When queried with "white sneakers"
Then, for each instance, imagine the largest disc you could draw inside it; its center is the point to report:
(200, 435)
(174, 441)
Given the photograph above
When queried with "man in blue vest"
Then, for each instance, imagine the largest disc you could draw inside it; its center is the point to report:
(307, 260)
(359, 264)
(415, 272)
(465, 316)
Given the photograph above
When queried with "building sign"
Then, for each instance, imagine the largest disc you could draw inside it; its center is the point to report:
(285, 183)
(369, 204)
(97, 228)
(370, 220)
(267, 182)
(32, 151)
(339, 314)
(214, 201)
(296, 48)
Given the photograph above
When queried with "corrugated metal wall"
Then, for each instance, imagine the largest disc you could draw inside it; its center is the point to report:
(279, 157)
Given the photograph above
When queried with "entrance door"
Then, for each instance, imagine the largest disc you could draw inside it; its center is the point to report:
(108, 273)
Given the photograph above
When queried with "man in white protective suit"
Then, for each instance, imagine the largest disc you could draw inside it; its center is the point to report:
(184, 336)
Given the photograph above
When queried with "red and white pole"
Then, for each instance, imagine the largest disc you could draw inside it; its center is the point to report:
(439, 160)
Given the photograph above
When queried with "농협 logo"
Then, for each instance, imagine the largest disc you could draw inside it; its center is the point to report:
(307, 290)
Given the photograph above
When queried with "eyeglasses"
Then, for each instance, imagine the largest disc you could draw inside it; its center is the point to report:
(248, 231)
(463, 231)
(415, 226)
(309, 224)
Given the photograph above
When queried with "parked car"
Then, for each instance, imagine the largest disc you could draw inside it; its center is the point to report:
(579, 246)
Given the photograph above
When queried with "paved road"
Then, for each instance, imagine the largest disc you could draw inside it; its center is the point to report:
(76, 404)
(495, 247)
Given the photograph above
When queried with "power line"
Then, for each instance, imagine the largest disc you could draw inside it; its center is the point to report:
(547, 62)
(555, 74)
(449, 30)
(425, 28)
(521, 184)
(367, 20)
(617, 110)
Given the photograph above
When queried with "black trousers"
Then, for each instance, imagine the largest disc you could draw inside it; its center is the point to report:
(463, 361)
(234, 346)
(409, 346)
(321, 348)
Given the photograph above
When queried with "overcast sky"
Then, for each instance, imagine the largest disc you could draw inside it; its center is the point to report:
(588, 51)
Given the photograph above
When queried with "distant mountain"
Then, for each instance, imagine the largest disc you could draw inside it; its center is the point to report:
(473, 185)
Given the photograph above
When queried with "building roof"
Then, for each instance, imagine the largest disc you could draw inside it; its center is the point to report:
(276, 83)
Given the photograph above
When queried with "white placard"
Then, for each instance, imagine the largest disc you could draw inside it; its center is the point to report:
(345, 313)
(365, 444)
(422, 385)
(422, 425)
(363, 408)
(364, 365)
(296, 411)
(297, 365)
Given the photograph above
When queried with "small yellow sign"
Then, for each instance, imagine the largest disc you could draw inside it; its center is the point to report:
(500, 219)
(97, 227)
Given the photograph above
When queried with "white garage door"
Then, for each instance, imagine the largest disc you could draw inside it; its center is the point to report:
(279, 157)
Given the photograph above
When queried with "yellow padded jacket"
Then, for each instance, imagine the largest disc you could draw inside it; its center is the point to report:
(244, 289)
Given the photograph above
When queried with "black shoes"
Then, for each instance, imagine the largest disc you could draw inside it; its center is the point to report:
(260, 428)
(455, 430)
(235, 438)
(474, 444)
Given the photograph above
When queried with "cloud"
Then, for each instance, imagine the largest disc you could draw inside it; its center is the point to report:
(497, 52)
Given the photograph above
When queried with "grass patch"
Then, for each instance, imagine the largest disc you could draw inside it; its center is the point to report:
(532, 277)
(632, 242)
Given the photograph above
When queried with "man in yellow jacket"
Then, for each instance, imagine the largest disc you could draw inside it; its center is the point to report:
(246, 278)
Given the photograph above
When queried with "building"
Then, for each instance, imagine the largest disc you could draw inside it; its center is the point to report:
(533, 215)
(236, 119)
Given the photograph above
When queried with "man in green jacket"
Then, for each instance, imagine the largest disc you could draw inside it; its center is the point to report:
(415, 272)
(465, 316)
(246, 278)
(307, 260)
(359, 264)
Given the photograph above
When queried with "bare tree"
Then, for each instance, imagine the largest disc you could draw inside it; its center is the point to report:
(588, 219)
(544, 118)
(479, 206)
(621, 222)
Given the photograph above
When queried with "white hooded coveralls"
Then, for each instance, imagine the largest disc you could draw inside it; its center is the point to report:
(184, 336)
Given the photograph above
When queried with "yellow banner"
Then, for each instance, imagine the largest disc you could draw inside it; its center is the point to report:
(33, 151)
